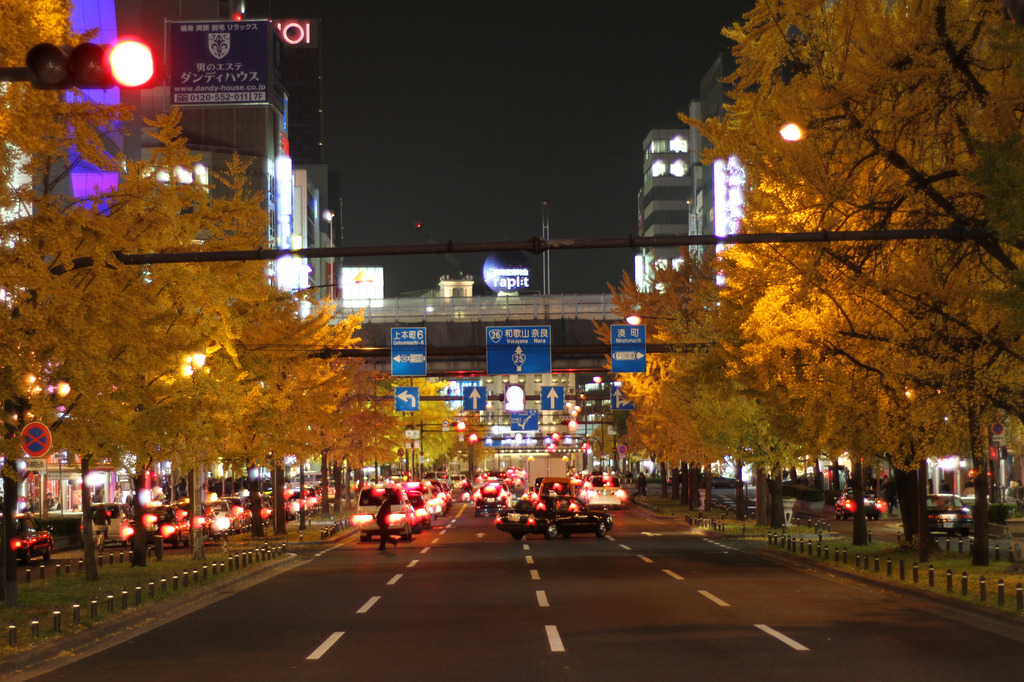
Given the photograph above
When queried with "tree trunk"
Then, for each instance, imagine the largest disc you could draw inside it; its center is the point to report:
(924, 536)
(196, 532)
(339, 486)
(979, 455)
(302, 496)
(252, 484)
(675, 483)
(741, 493)
(693, 484)
(707, 487)
(280, 521)
(778, 512)
(10, 505)
(684, 483)
(88, 542)
(906, 494)
(760, 498)
(139, 541)
(860, 522)
(664, 479)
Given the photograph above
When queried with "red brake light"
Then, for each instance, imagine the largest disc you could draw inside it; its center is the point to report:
(395, 518)
(167, 530)
(148, 519)
(16, 543)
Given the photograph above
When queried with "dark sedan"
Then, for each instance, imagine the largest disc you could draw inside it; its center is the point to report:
(846, 506)
(949, 514)
(553, 516)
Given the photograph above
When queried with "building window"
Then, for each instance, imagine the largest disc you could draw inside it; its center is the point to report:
(678, 145)
(677, 169)
(658, 169)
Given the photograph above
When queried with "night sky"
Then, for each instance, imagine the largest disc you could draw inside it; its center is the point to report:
(464, 116)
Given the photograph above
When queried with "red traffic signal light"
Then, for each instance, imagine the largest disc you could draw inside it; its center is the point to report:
(572, 425)
(472, 438)
(128, 63)
(460, 425)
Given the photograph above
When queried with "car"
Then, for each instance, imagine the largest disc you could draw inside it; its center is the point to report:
(846, 505)
(402, 520)
(948, 514)
(30, 539)
(490, 497)
(108, 518)
(219, 520)
(564, 515)
(169, 523)
(723, 482)
(424, 512)
(519, 520)
(603, 490)
(240, 511)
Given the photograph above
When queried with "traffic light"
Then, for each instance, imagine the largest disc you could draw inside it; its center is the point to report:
(472, 438)
(460, 425)
(571, 425)
(127, 64)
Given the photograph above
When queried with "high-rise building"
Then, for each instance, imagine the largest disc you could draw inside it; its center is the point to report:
(664, 201)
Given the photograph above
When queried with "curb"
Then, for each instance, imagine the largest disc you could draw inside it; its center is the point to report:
(54, 653)
(805, 563)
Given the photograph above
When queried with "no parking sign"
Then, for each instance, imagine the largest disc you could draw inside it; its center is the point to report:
(36, 439)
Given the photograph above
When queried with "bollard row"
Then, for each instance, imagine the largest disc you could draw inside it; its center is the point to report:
(233, 562)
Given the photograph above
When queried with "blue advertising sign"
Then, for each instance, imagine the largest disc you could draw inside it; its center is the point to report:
(620, 401)
(519, 350)
(408, 351)
(629, 348)
(407, 399)
(526, 420)
(219, 62)
(474, 399)
(552, 397)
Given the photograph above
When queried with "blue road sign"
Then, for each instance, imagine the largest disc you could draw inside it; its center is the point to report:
(408, 351)
(474, 399)
(552, 397)
(629, 348)
(519, 350)
(620, 401)
(526, 420)
(407, 399)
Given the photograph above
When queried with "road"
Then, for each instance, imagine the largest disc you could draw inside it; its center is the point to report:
(652, 600)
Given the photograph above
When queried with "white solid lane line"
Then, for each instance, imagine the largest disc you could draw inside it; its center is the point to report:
(542, 599)
(645, 559)
(398, 576)
(322, 649)
(554, 641)
(534, 574)
(781, 637)
(368, 605)
(712, 597)
(413, 563)
(673, 574)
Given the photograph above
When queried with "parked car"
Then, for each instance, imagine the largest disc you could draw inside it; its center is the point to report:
(30, 539)
(219, 520)
(846, 505)
(565, 516)
(948, 514)
(402, 520)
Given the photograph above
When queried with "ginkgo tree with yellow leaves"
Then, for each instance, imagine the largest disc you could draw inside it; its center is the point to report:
(908, 110)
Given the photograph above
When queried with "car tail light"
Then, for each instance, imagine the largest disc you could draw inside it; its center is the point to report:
(126, 532)
(422, 513)
(497, 521)
(361, 519)
(16, 544)
(541, 506)
(478, 495)
(621, 494)
(265, 513)
(574, 507)
(531, 521)
(149, 519)
(167, 530)
(180, 514)
(850, 505)
(199, 522)
(395, 518)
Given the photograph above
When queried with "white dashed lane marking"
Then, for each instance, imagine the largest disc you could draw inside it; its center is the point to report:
(554, 641)
(534, 574)
(781, 637)
(398, 576)
(368, 605)
(322, 649)
(673, 574)
(712, 597)
(413, 563)
(542, 599)
(645, 559)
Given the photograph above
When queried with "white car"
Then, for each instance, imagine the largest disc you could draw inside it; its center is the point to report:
(603, 490)
(400, 521)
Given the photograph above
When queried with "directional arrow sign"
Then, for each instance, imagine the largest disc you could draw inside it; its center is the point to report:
(474, 399)
(619, 400)
(526, 420)
(407, 399)
(552, 397)
(629, 348)
(408, 351)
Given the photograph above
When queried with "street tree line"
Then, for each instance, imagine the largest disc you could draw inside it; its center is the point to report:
(892, 352)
